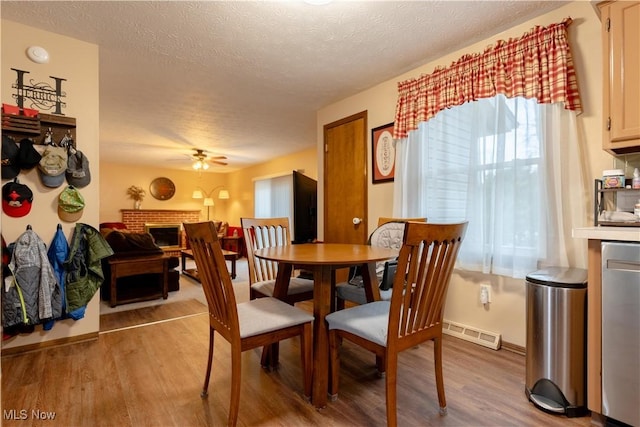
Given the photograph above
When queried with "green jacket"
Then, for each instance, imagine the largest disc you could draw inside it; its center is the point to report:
(83, 268)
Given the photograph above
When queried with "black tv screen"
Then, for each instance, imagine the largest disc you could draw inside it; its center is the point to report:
(305, 217)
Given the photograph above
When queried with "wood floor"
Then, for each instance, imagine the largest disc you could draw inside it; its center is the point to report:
(152, 376)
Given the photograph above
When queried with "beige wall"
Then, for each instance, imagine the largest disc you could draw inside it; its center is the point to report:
(506, 313)
(77, 62)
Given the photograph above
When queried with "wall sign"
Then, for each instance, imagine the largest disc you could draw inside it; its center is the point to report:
(43, 96)
(383, 154)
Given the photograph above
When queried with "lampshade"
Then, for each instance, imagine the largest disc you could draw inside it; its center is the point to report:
(208, 201)
(197, 194)
(223, 194)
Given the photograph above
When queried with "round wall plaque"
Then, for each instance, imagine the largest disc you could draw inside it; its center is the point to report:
(162, 188)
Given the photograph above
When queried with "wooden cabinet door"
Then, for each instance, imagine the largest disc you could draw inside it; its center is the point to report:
(621, 42)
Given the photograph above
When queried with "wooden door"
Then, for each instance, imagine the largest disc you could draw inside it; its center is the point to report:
(345, 180)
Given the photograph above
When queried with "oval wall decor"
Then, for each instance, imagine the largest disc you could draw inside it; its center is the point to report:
(162, 188)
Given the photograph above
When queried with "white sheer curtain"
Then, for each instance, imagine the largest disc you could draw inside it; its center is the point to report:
(274, 197)
(503, 164)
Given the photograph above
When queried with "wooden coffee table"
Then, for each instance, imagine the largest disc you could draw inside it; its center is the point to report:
(193, 272)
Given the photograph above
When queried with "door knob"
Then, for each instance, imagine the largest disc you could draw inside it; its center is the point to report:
(357, 221)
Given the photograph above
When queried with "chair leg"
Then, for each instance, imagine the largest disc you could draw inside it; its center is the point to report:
(236, 377)
(205, 388)
(306, 353)
(391, 369)
(381, 367)
(437, 355)
(334, 364)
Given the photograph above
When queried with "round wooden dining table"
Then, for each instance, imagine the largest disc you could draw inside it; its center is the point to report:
(323, 259)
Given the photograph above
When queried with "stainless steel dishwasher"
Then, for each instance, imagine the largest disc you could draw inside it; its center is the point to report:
(621, 331)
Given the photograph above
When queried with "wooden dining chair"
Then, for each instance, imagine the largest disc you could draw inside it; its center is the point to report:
(246, 325)
(412, 316)
(388, 234)
(263, 233)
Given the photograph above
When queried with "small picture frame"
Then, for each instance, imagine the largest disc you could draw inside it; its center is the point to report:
(383, 154)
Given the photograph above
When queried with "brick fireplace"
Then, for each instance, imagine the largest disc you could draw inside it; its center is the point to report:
(136, 219)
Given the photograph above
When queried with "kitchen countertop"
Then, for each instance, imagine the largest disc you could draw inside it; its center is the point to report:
(624, 234)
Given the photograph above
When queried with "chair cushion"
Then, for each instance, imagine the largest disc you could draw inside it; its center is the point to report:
(263, 315)
(369, 321)
(296, 286)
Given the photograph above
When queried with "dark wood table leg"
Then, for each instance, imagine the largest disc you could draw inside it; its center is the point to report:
(321, 307)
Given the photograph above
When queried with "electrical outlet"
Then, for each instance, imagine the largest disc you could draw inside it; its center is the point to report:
(485, 294)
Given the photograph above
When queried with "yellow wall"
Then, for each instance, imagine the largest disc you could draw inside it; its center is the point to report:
(77, 62)
(116, 178)
(506, 314)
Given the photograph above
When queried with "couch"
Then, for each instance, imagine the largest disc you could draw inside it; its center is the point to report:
(128, 244)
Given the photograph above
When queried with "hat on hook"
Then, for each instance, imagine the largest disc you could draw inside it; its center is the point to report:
(78, 173)
(28, 157)
(70, 204)
(16, 199)
(10, 166)
(52, 166)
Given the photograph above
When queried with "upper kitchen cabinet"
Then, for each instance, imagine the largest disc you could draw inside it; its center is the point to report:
(621, 53)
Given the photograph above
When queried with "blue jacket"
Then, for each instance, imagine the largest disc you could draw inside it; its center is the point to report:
(57, 254)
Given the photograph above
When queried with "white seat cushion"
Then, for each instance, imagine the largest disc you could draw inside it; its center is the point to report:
(369, 321)
(268, 314)
(296, 286)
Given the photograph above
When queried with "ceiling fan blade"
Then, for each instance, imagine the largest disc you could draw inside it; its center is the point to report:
(218, 162)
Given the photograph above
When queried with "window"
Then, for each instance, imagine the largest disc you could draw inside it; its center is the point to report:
(274, 197)
(495, 162)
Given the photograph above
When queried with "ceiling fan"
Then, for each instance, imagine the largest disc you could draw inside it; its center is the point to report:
(201, 160)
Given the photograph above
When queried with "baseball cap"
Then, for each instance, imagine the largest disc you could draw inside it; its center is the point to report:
(28, 157)
(52, 166)
(70, 204)
(78, 173)
(16, 199)
(10, 166)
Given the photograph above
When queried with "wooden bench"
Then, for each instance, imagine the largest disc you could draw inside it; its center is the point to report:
(131, 266)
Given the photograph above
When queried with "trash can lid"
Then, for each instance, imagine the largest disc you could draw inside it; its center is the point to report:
(562, 277)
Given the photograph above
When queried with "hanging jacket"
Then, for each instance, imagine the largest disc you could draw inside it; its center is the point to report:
(57, 255)
(83, 268)
(34, 295)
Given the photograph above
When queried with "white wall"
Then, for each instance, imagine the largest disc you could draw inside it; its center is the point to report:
(77, 62)
(506, 313)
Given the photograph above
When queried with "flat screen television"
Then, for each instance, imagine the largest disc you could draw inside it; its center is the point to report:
(305, 217)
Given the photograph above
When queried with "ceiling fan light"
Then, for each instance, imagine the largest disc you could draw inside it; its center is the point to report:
(205, 165)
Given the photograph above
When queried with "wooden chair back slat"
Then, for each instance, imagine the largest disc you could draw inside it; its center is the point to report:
(214, 277)
(263, 233)
(427, 256)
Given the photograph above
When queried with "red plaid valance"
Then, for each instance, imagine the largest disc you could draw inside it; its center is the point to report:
(537, 65)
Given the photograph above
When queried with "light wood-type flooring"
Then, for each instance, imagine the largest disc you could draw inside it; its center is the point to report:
(151, 375)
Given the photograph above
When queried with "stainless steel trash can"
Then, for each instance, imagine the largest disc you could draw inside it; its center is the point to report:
(556, 340)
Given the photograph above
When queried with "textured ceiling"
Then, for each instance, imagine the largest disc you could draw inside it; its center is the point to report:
(244, 79)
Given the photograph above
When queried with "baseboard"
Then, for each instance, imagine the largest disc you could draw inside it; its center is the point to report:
(53, 343)
(514, 348)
